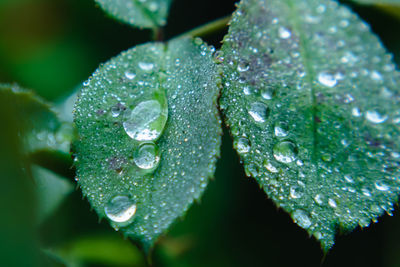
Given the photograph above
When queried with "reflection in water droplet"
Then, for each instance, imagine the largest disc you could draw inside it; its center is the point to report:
(285, 151)
(147, 157)
(120, 209)
(327, 79)
(259, 112)
(375, 116)
(284, 33)
(301, 218)
(146, 66)
(381, 186)
(146, 121)
(243, 145)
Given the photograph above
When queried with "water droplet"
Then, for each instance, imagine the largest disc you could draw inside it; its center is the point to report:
(247, 90)
(116, 110)
(284, 33)
(120, 209)
(285, 151)
(281, 129)
(271, 168)
(267, 93)
(259, 112)
(147, 157)
(146, 121)
(356, 112)
(332, 203)
(327, 79)
(243, 145)
(381, 186)
(296, 192)
(319, 199)
(366, 192)
(301, 218)
(146, 66)
(130, 75)
(243, 66)
(375, 116)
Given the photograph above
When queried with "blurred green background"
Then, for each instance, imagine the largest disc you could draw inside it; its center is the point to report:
(51, 46)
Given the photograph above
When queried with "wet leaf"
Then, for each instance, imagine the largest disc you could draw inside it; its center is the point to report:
(149, 135)
(311, 99)
(139, 13)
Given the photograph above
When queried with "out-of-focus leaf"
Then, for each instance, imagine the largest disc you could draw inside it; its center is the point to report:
(139, 13)
(311, 98)
(51, 190)
(380, 2)
(149, 135)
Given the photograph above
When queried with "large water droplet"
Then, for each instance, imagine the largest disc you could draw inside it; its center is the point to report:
(146, 121)
(259, 112)
(120, 209)
(147, 157)
(285, 151)
(375, 116)
(327, 79)
(301, 218)
(243, 145)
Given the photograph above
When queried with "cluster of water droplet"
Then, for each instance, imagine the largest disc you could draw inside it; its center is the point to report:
(313, 112)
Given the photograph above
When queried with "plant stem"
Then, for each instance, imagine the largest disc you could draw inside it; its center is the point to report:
(208, 28)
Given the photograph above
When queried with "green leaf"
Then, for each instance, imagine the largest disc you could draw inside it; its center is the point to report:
(41, 128)
(311, 98)
(120, 114)
(139, 13)
(51, 190)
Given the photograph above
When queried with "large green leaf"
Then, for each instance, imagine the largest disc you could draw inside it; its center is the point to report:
(312, 101)
(139, 13)
(120, 114)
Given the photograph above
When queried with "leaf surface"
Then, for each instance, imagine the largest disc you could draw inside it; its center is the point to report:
(311, 98)
(121, 110)
(139, 13)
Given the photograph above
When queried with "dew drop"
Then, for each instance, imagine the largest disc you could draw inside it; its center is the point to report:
(327, 79)
(356, 112)
(146, 121)
(243, 145)
(284, 33)
(146, 66)
(285, 151)
(366, 192)
(301, 218)
(267, 93)
(296, 192)
(281, 129)
(271, 168)
(130, 75)
(332, 203)
(375, 116)
(243, 66)
(381, 186)
(319, 199)
(120, 209)
(259, 112)
(147, 157)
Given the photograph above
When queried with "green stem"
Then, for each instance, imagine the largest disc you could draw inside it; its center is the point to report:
(208, 29)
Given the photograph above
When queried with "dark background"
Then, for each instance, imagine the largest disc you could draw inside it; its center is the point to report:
(51, 46)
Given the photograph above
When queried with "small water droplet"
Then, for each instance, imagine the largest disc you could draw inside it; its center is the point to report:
(319, 199)
(247, 90)
(381, 186)
(147, 157)
(327, 79)
(120, 209)
(259, 112)
(130, 75)
(271, 168)
(296, 192)
(375, 116)
(243, 66)
(332, 203)
(281, 129)
(243, 145)
(267, 93)
(366, 191)
(284, 33)
(285, 151)
(146, 121)
(146, 66)
(301, 218)
(116, 110)
(356, 112)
